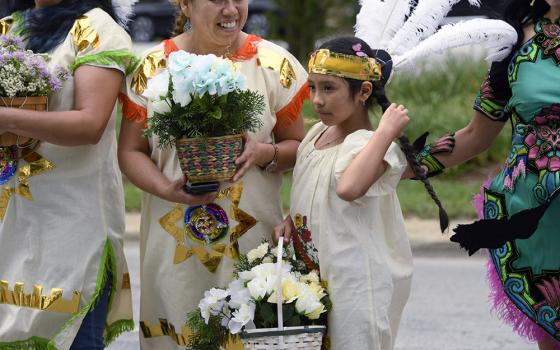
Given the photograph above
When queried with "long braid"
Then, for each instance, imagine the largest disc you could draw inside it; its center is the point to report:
(410, 153)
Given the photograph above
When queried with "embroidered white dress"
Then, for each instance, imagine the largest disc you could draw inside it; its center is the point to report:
(178, 263)
(363, 249)
(67, 231)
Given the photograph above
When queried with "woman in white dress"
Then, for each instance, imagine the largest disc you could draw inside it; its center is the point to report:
(63, 277)
(344, 205)
(177, 263)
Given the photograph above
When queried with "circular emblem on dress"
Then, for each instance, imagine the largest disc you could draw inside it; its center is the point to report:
(8, 163)
(206, 223)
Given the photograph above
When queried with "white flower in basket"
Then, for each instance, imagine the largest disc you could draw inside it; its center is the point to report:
(200, 104)
(270, 305)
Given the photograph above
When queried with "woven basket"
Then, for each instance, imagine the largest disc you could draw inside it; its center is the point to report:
(283, 338)
(36, 103)
(209, 159)
(307, 337)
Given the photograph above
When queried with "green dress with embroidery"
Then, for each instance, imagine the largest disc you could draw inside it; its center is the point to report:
(526, 272)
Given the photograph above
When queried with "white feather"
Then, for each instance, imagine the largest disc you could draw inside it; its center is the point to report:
(124, 9)
(423, 22)
(498, 38)
(379, 20)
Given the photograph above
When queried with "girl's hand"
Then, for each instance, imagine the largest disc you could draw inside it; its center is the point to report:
(283, 229)
(394, 120)
(248, 158)
(175, 193)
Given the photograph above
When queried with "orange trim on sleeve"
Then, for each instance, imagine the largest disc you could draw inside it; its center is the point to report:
(291, 112)
(131, 111)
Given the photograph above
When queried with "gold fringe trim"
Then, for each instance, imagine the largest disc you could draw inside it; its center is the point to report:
(53, 303)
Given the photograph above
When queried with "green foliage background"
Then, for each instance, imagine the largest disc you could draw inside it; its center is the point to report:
(439, 98)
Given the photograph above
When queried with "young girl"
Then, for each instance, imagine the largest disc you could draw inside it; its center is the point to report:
(344, 193)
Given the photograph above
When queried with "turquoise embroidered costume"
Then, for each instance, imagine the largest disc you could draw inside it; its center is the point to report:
(529, 269)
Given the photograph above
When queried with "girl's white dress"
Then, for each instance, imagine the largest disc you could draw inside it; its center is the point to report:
(363, 249)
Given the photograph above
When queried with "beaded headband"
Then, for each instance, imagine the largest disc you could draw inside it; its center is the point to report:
(324, 61)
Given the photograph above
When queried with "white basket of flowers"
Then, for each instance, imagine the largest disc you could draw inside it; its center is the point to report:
(273, 303)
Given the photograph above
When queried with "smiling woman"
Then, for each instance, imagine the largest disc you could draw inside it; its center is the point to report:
(178, 264)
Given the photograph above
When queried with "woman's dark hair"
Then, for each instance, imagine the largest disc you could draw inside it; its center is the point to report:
(48, 27)
(180, 19)
(344, 45)
(518, 13)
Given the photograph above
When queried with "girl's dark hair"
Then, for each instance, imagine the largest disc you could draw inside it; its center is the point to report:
(46, 28)
(345, 45)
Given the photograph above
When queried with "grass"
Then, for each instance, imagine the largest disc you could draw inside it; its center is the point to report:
(439, 100)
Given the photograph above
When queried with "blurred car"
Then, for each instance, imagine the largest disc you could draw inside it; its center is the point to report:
(155, 18)
(151, 19)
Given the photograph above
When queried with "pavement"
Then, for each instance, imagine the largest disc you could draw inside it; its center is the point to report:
(424, 234)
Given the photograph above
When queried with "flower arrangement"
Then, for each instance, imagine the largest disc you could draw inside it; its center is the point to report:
(250, 300)
(200, 96)
(24, 73)
(25, 82)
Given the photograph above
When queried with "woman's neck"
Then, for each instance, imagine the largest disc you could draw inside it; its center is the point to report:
(191, 43)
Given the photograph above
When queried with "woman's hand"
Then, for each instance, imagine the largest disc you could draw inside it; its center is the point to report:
(174, 192)
(394, 120)
(248, 158)
(283, 229)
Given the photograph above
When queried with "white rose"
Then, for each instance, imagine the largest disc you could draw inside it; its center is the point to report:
(239, 294)
(308, 304)
(241, 317)
(311, 277)
(157, 87)
(257, 288)
(161, 107)
(182, 98)
(252, 255)
(257, 253)
(262, 250)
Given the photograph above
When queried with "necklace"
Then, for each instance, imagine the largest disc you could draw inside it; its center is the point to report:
(325, 144)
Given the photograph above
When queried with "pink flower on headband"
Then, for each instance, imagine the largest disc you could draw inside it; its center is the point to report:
(358, 49)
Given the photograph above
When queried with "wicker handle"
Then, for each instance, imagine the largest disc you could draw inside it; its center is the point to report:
(279, 289)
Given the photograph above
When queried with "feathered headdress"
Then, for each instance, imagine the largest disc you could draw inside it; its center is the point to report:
(409, 31)
(124, 9)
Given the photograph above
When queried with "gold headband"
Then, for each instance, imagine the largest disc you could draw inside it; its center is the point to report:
(324, 61)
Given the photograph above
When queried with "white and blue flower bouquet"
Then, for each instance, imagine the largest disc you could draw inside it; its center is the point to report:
(200, 104)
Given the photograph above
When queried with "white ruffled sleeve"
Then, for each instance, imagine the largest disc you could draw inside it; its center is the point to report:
(394, 157)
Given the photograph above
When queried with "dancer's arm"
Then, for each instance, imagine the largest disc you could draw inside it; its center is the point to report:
(95, 94)
(470, 141)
